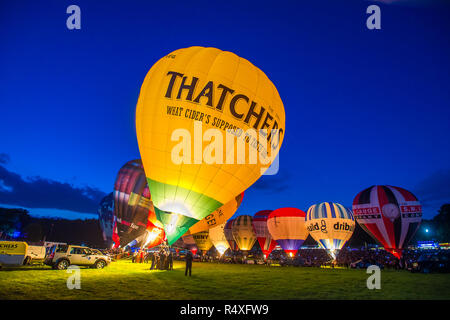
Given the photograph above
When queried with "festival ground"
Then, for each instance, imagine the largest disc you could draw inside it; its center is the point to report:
(126, 280)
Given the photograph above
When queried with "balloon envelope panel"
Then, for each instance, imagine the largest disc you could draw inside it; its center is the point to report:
(219, 216)
(391, 215)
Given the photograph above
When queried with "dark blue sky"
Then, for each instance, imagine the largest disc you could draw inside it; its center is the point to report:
(363, 107)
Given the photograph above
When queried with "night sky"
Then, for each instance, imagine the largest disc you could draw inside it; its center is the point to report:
(363, 107)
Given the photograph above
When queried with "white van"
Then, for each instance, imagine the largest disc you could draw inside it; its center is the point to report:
(35, 254)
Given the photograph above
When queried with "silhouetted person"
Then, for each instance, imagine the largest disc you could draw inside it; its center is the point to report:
(189, 259)
(170, 260)
(153, 257)
(162, 259)
(156, 260)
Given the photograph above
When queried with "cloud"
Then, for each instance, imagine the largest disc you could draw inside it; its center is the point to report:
(410, 3)
(38, 192)
(4, 158)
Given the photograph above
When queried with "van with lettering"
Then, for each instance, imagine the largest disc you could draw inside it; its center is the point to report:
(12, 253)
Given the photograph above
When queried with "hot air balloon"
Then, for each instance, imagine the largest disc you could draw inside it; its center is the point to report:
(202, 241)
(229, 235)
(390, 215)
(219, 216)
(132, 204)
(217, 236)
(243, 233)
(186, 95)
(330, 224)
(287, 227)
(106, 218)
(262, 233)
(189, 243)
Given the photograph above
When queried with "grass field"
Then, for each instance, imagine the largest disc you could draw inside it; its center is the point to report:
(125, 280)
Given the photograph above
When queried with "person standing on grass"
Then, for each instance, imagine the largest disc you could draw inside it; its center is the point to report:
(156, 260)
(189, 259)
(162, 259)
(152, 256)
(170, 260)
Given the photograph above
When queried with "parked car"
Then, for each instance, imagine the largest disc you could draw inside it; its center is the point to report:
(62, 256)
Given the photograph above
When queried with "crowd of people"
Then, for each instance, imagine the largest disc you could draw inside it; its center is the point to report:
(162, 258)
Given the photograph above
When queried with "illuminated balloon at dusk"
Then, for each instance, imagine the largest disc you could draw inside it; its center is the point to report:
(203, 241)
(189, 242)
(219, 216)
(208, 124)
(217, 236)
(229, 235)
(262, 233)
(243, 233)
(390, 215)
(132, 205)
(287, 227)
(330, 224)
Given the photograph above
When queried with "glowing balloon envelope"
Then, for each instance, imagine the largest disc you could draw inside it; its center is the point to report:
(229, 235)
(219, 216)
(189, 242)
(203, 241)
(287, 227)
(186, 95)
(243, 233)
(262, 233)
(217, 236)
(390, 215)
(330, 224)
(133, 207)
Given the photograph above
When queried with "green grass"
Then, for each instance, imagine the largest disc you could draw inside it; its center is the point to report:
(125, 280)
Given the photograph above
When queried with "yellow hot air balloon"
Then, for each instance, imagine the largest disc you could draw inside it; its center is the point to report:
(243, 232)
(203, 241)
(330, 224)
(208, 124)
(218, 238)
(218, 217)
